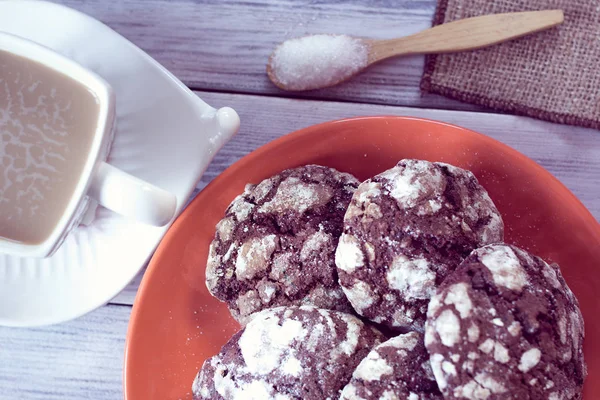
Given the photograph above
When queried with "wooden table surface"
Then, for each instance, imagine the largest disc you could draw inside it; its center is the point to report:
(219, 49)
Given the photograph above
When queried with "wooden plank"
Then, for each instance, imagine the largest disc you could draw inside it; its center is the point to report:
(571, 154)
(223, 46)
(82, 359)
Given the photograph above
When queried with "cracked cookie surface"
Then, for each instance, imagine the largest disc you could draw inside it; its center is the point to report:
(276, 244)
(404, 231)
(396, 369)
(288, 353)
(505, 325)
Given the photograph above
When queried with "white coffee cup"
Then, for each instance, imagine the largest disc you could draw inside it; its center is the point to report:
(99, 181)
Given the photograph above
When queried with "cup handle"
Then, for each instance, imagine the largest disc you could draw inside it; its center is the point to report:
(131, 197)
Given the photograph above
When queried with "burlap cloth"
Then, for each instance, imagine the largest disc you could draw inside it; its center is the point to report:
(552, 75)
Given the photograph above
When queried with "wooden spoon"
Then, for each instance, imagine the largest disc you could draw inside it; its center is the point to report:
(467, 34)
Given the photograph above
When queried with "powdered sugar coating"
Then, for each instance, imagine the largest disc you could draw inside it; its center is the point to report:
(395, 369)
(516, 340)
(404, 231)
(276, 244)
(287, 353)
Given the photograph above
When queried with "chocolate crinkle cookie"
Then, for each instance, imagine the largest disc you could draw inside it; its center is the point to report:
(288, 353)
(405, 230)
(505, 325)
(396, 369)
(276, 244)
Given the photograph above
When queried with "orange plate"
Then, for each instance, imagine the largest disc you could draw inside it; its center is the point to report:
(175, 324)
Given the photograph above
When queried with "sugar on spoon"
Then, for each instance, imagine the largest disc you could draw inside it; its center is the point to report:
(318, 61)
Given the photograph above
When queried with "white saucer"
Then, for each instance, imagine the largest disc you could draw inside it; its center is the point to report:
(165, 135)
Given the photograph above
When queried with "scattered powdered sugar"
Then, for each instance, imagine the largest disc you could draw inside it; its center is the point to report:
(504, 265)
(411, 277)
(317, 61)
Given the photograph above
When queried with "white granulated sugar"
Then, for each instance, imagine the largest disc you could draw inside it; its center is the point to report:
(549, 385)
(313, 244)
(240, 208)
(447, 325)
(455, 357)
(487, 346)
(473, 333)
(514, 328)
(497, 322)
(490, 383)
(413, 396)
(472, 355)
(501, 353)
(317, 61)
(254, 256)
(471, 390)
(264, 342)
(554, 396)
(225, 228)
(372, 368)
(436, 365)
(459, 296)
(412, 278)
(295, 195)
(529, 359)
(348, 255)
(448, 368)
(533, 381)
(360, 295)
(505, 267)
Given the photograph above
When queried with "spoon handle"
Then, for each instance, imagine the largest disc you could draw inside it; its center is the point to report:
(467, 34)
